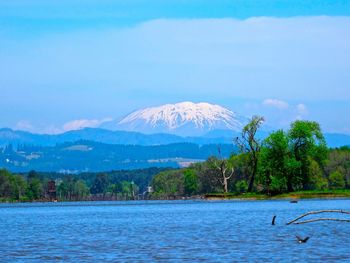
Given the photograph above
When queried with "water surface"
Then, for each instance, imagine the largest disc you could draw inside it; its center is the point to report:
(170, 231)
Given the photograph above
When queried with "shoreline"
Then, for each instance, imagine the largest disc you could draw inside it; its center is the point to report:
(336, 194)
(287, 196)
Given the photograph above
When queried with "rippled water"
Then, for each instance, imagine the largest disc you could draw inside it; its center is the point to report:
(175, 231)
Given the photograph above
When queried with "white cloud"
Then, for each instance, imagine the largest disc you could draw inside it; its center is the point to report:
(301, 108)
(301, 111)
(83, 123)
(279, 104)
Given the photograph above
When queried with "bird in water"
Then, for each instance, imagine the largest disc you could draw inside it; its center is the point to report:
(302, 240)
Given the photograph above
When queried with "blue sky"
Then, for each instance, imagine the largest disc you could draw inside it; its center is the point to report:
(66, 64)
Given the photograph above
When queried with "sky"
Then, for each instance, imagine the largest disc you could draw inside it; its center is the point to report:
(71, 64)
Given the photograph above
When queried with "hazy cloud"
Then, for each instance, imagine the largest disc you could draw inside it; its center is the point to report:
(279, 104)
(24, 125)
(301, 110)
(83, 123)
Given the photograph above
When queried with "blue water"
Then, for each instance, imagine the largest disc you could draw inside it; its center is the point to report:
(170, 231)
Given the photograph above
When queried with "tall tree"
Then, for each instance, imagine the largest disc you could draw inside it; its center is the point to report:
(273, 162)
(100, 184)
(307, 143)
(251, 145)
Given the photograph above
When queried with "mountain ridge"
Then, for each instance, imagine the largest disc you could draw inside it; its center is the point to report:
(18, 137)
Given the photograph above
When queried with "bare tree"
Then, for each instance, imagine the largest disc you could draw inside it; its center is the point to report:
(249, 144)
(225, 171)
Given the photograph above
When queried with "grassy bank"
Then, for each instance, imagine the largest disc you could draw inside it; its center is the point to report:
(293, 195)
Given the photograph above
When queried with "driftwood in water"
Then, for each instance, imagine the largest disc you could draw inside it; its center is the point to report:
(294, 221)
(321, 219)
(273, 220)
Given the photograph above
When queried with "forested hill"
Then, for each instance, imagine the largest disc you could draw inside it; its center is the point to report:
(87, 156)
(9, 136)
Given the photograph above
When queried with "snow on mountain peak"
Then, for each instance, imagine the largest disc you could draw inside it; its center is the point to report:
(184, 118)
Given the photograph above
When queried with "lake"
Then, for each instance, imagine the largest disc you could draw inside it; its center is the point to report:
(170, 231)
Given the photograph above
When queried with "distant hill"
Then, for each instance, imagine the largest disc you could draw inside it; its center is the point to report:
(88, 156)
(9, 136)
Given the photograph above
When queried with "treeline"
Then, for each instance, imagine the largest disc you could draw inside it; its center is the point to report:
(286, 161)
(114, 185)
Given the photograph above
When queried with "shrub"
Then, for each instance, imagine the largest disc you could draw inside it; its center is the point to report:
(241, 186)
(336, 180)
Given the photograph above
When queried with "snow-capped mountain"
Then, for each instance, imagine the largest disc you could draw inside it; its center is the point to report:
(185, 119)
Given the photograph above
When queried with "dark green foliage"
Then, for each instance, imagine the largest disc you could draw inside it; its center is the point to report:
(294, 160)
(317, 180)
(336, 180)
(34, 189)
(169, 184)
(339, 160)
(241, 186)
(275, 163)
(286, 162)
(191, 183)
(111, 185)
(307, 143)
(208, 177)
(100, 184)
(72, 189)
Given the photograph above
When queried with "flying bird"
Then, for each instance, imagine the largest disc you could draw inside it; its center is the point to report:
(302, 240)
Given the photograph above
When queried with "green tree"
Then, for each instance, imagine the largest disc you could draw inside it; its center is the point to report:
(5, 184)
(19, 186)
(251, 145)
(34, 189)
(207, 177)
(273, 170)
(114, 189)
(339, 159)
(126, 189)
(168, 184)
(32, 175)
(191, 182)
(81, 190)
(336, 180)
(100, 184)
(66, 188)
(307, 142)
(241, 186)
(317, 180)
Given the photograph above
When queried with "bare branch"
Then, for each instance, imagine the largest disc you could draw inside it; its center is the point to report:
(321, 219)
(317, 212)
(232, 172)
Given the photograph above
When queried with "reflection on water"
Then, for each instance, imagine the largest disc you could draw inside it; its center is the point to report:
(175, 231)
